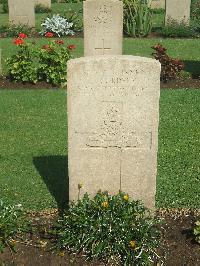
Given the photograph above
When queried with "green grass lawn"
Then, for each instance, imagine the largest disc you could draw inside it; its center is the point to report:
(33, 158)
(32, 130)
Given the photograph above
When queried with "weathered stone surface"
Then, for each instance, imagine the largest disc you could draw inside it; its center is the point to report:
(22, 12)
(103, 27)
(113, 113)
(178, 10)
(46, 3)
(158, 4)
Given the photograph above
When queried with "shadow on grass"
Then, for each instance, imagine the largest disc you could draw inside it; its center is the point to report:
(54, 172)
(192, 67)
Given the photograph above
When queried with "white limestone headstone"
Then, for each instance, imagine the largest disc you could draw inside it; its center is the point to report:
(22, 12)
(178, 10)
(157, 4)
(103, 27)
(113, 116)
(45, 3)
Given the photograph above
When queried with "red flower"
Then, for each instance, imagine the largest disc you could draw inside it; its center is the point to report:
(22, 35)
(18, 41)
(59, 42)
(49, 34)
(71, 47)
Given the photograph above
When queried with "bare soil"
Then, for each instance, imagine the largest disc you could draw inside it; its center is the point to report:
(178, 247)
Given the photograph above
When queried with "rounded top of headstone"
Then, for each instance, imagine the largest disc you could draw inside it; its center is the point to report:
(113, 58)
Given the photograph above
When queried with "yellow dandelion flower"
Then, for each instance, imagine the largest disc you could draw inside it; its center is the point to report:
(126, 197)
(133, 244)
(105, 204)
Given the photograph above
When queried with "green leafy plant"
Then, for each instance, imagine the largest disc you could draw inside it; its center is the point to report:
(170, 67)
(5, 6)
(53, 59)
(22, 66)
(137, 18)
(195, 10)
(75, 19)
(57, 25)
(33, 64)
(110, 228)
(39, 8)
(174, 29)
(11, 30)
(158, 10)
(195, 16)
(12, 222)
(197, 231)
(71, 1)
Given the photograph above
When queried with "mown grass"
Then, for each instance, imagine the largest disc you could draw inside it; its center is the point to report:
(32, 130)
(178, 157)
(33, 158)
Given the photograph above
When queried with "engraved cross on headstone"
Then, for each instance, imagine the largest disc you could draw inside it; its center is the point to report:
(103, 48)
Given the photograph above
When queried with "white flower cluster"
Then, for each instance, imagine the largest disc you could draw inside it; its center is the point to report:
(57, 25)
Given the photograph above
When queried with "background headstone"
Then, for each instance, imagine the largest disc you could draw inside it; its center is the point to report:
(158, 4)
(22, 12)
(113, 115)
(103, 27)
(178, 10)
(46, 3)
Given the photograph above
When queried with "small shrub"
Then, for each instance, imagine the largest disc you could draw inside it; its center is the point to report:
(195, 10)
(137, 18)
(21, 66)
(195, 25)
(5, 6)
(158, 10)
(73, 18)
(42, 9)
(174, 29)
(3, 30)
(71, 1)
(109, 228)
(185, 75)
(11, 30)
(12, 222)
(57, 25)
(170, 67)
(53, 62)
(197, 231)
(31, 63)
